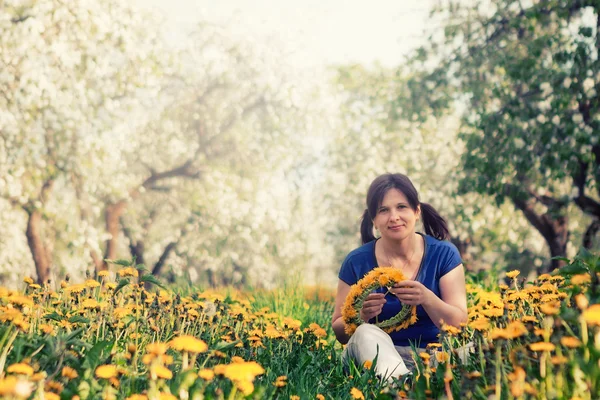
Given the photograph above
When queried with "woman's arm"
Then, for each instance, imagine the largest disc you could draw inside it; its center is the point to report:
(451, 308)
(337, 322)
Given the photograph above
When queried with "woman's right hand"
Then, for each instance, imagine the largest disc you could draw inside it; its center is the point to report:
(372, 306)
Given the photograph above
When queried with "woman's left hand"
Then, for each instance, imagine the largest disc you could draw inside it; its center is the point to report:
(413, 293)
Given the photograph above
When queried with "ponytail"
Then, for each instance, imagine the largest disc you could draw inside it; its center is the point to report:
(433, 222)
(366, 228)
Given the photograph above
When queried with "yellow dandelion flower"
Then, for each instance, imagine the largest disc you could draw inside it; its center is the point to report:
(513, 274)
(92, 283)
(480, 324)
(592, 315)
(103, 274)
(47, 329)
(12, 386)
(11, 314)
(188, 343)
(51, 396)
(529, 318)
(357, 394)
(451, 330)
(90, 304)
(550, 308)
(539, 331)
(28, 280)
(206, 374)
(53, 386)
(136, 396)
(294, 397)
(111, 285)
(320, 397)
(368, 364)
(291, 323)
(129, 271)
(517, 382)
(166, 396)
(20, 369)
(78, 288)
(281, 381)
(157, 348)
(158, 371)
(121, 312)
(581, 279)
(69, 373)
(245, 371)
(442, 356)
(246, 387)
(20, 300)
(542, 346)
(515, 329)
(425, 356)
(559, 360)
(106, 371)
(570, 342)
(38, 376)
(493, 312)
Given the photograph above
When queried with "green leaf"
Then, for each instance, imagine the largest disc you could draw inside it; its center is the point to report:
(79, 319)
(123, 262)
(573, 269)
(224, 345)
(151, 279)
(141, 267)
(586, 31)
(122, 283)
(96, 355)
(53, 316)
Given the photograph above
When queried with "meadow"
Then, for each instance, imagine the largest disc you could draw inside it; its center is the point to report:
(125, 336)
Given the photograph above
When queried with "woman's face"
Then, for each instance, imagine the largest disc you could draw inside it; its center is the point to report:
(395, 219)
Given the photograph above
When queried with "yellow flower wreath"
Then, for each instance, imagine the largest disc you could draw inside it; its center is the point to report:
(376, 278)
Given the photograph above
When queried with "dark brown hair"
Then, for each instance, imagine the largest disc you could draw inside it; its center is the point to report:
(434, 224)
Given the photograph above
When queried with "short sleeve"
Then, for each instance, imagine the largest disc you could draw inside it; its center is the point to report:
(450, 260)
(348, 272)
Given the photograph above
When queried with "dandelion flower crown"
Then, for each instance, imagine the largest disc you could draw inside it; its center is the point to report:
(376, 278)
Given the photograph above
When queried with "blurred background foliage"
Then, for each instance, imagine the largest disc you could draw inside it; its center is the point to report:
(217, 161)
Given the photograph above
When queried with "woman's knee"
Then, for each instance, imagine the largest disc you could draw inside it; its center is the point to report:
(369, 330)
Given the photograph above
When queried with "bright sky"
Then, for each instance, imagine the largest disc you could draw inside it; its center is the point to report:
(314, 32)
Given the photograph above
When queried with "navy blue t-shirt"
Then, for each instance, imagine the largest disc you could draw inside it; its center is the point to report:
(440, 257)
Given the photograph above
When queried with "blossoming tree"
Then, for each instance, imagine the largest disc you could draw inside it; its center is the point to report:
(525, 76)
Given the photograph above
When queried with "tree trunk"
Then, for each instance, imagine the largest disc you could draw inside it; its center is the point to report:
(36, 246)
(156, 271)
(590, 233)
(557, 240)
(553, 224)
(112, 217)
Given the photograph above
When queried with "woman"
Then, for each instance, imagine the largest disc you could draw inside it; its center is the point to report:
(433, 268)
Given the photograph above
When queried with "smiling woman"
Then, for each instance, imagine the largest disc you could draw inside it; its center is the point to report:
(435, 282)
